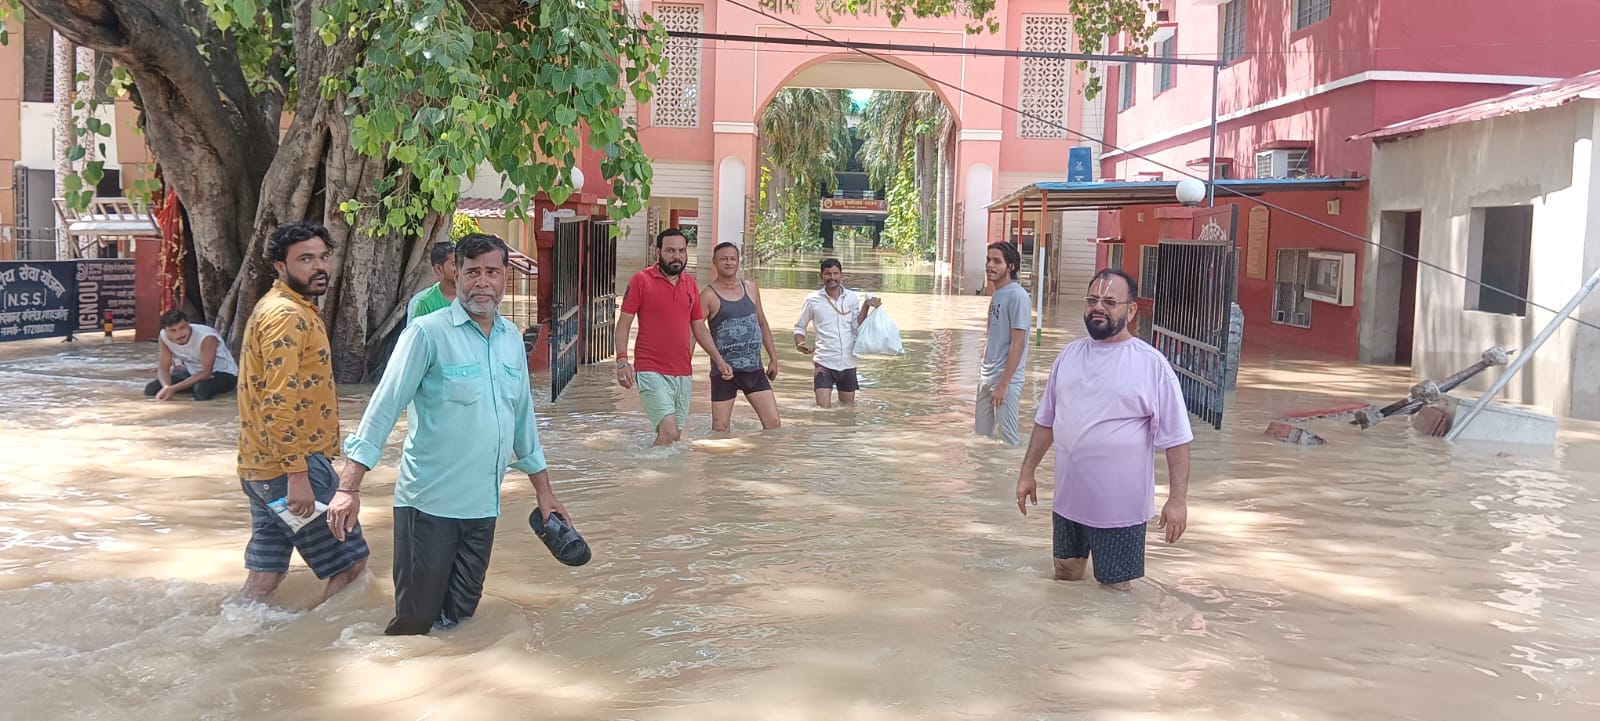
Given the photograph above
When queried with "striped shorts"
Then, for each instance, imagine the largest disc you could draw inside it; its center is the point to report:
(272, 542)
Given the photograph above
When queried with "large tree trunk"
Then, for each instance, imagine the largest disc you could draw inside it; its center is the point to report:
(218, 146)
(201, 120)
(316, 168)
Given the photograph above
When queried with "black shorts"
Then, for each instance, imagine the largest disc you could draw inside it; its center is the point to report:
(747, 381)
(1118, 552)
(844, 380)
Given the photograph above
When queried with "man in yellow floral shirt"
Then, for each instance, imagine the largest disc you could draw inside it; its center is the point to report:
(289, 423)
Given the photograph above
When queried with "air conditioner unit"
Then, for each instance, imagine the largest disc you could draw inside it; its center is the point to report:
(1283, 163)
(1332, 277)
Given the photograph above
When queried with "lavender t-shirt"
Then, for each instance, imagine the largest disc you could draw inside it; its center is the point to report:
(1111, 405)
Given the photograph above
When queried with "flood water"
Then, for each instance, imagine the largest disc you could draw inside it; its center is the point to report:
(857, 564)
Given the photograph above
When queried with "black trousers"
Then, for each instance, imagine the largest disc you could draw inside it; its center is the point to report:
(216, 385)
(439, 566)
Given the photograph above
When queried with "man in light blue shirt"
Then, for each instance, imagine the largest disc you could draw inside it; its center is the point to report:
(461, 374)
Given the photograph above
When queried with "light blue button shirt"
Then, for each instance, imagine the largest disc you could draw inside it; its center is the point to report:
(469, 411)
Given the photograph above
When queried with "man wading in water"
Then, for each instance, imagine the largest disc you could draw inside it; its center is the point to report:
(667, 304)
(289, 422)
(837, 312)
(463, 373)
(1111, 401)
(739, 327)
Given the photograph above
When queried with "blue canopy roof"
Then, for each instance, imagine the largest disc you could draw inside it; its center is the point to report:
(1065, 195)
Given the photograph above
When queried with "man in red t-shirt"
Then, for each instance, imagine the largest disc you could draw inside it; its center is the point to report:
(667, 304)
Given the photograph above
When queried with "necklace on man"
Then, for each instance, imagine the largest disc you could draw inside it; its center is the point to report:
(836, 309)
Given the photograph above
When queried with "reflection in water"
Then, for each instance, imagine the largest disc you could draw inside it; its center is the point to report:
(864, 563)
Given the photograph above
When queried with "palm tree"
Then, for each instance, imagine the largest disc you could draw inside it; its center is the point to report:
(890, 121)
(902, 134)
(805, 138)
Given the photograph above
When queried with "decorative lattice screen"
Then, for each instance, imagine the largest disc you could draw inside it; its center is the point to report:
(677, 100)
(1045, 83)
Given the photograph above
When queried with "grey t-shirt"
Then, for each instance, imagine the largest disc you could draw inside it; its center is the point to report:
(1009, 309)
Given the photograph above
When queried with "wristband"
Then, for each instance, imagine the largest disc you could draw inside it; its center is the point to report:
(348, 490)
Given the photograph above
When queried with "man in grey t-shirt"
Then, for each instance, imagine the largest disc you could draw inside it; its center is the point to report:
(1005, 349)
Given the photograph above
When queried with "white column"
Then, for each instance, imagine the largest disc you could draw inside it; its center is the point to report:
(975, 242)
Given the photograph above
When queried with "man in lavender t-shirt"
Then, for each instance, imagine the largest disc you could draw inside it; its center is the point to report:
(1111, 401)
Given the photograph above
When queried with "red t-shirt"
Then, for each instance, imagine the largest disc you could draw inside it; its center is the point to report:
(664, 311)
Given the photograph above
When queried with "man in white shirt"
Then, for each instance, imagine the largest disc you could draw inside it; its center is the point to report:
(193, 359)
(836, 312)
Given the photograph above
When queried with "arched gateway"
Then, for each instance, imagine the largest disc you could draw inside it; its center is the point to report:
(701, 131)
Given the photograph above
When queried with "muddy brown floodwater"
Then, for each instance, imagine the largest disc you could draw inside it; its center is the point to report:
(856, 564)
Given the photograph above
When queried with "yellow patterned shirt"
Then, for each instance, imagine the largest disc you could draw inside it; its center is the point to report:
(288, 408)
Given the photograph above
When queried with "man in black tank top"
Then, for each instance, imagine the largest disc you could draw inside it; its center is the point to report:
(739, 327)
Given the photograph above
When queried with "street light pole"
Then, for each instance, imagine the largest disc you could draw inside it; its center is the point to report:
(1211, 157)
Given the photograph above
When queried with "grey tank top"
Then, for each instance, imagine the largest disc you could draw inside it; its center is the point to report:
(737, 332)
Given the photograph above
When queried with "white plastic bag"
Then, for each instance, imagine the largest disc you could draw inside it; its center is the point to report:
(878, 335)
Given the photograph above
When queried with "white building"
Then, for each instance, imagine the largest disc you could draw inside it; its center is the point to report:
(1504, 192)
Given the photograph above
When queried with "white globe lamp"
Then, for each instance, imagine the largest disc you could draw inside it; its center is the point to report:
(577, 178)
(1191, 191)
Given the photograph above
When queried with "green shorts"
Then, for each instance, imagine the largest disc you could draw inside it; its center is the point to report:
(663, 396)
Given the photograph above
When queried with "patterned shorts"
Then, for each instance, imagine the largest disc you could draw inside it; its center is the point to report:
(1118, 552)
(271, 541)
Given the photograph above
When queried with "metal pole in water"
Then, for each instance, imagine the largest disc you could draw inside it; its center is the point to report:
(1211, 159)
(1524, 355)
(1038, 301)
(1039, 237)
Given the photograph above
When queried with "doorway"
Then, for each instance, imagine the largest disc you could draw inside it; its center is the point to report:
(1394, 306)
(1406, 314)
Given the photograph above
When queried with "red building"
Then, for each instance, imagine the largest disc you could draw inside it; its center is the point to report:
(1301, 77)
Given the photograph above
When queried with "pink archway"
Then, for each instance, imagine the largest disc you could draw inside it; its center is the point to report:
(715, 143)
(902, 63)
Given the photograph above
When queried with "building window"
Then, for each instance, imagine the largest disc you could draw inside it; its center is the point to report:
(1149, 263)
(1168, 76)
(1235, 15)
(1308, 12)
(38, 62)
(677, 99)
(1044, 82)
(1283, 163)
(1114, 256)
(1290, 306)
(1126, 100)
(1500, 253)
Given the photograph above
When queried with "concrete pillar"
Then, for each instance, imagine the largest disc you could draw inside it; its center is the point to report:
(734, 181)
(977, 157)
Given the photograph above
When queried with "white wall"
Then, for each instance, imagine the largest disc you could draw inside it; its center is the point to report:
(38, 121)
(672, 180)
(1544, 159)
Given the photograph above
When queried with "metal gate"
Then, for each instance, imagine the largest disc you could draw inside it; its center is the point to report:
(1193, 309)
(600, 293)
(566, 306)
